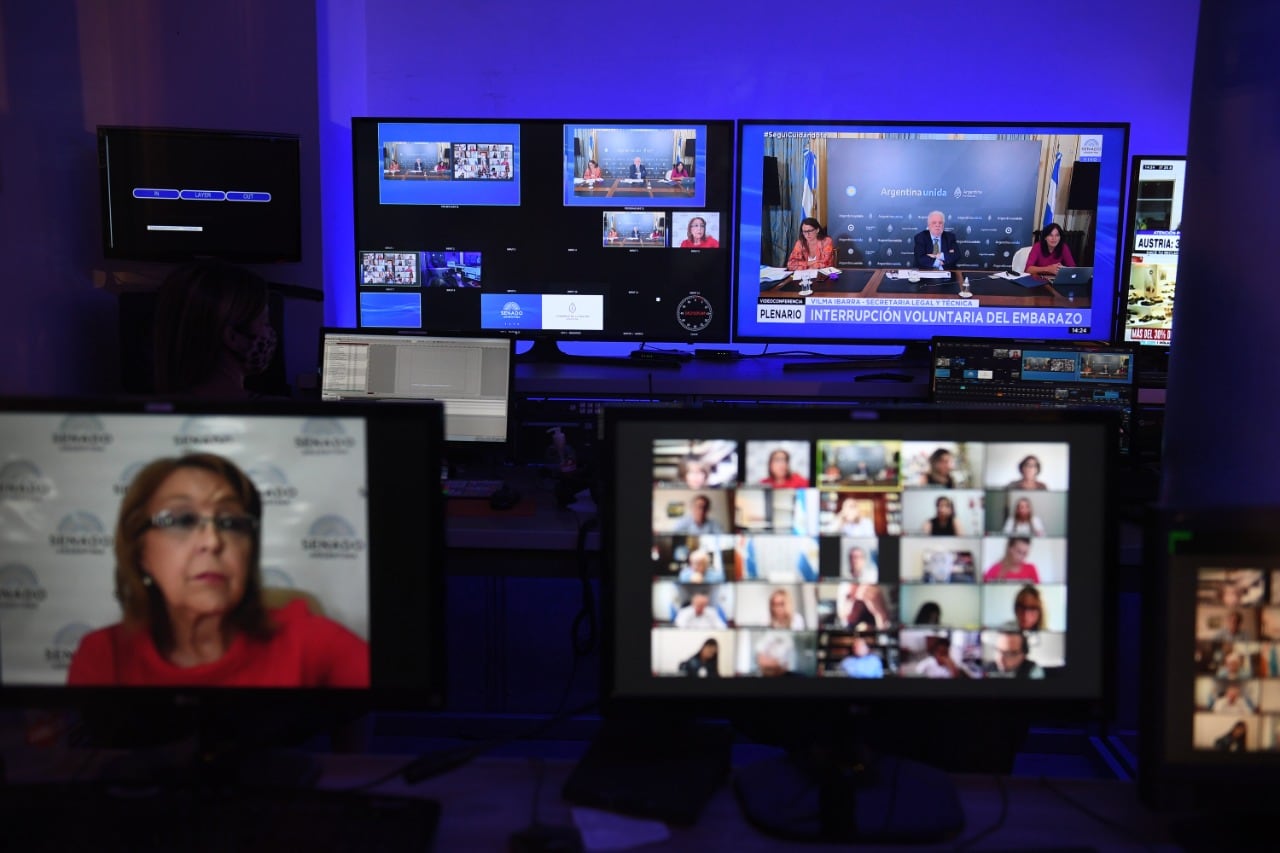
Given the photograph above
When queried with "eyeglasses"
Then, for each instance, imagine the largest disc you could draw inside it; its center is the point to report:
(183, 523)
(1010, 653)
(808, 230)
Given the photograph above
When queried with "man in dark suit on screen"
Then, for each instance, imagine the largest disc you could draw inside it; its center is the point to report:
(637, 170)
(936, 249)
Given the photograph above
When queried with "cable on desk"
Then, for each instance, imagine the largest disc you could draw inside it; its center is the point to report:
(995, 827)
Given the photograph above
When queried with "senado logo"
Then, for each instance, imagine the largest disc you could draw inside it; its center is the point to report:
(126, 478)
(199, 433)
(20, 588)
(274, 578)
(273, 485)
(323, 436)
(332, 536)
(24, 481)
(65, 642)
(81, 432)
(80, 533)
(511, 311)
(1091, 146)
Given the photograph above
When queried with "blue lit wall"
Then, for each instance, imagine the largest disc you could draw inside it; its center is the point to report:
(993, 60)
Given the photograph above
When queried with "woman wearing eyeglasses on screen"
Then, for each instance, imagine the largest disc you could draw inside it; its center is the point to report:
(814, 250)
(187, 545)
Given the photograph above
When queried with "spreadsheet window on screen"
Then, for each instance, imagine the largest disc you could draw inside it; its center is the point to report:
(470, 376)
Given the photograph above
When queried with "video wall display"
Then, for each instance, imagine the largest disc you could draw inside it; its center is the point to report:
(854, 231)
(1155, 227)
(568, 229)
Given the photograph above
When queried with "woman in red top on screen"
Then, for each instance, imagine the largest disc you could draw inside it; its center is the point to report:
(814, 250)
(698, 237)
(780, 474)
(187, 576)
(1013, 566)
(592, 172)
(1049, 254)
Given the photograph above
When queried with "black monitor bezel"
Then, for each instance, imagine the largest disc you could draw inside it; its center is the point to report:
(287, 254)
(1100, 704)
(1150, 353)
(407, 585)
(744, 124)
(605, 335)
(325, 331)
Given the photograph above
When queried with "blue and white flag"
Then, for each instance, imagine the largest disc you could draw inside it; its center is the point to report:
(810, 182)
(1053, 191)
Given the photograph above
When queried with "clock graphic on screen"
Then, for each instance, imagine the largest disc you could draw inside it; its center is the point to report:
(694, 313)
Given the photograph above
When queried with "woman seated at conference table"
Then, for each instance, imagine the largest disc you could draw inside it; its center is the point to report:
(592, 172)
(814, 250)
(188, 578)
(1049, 254)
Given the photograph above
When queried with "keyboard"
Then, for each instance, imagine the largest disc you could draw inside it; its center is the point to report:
(103, 818)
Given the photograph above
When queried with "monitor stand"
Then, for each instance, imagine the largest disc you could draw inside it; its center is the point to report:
(843, 792)
(547, 351)
(664, 769)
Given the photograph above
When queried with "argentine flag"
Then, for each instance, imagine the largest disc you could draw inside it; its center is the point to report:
(810, 182)
(1053, 190)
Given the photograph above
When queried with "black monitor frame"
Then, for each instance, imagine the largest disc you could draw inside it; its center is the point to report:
(1153, 354)
(911, 332)
(406, 568)
(649, 292)
(627, 691)
(452, 444)
(190, 179)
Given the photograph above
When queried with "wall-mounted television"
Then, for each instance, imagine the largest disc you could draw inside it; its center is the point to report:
(173, 194)
(1152, 231)
(554, 229)
(834, 243)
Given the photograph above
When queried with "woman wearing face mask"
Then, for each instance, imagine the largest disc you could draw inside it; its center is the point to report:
(212, 331)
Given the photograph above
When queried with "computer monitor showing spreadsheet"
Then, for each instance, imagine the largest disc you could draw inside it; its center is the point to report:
(471, 376)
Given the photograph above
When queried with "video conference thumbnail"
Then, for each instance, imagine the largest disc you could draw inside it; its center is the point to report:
(1237, 660)
(421, 269)
(912, 559)
(449, 163)
(639, 165)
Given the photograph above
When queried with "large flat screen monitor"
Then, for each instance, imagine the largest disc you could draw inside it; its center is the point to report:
(835, 223)
(570, 230)
(308, 535)
(876, 557)
(471, 377)
(1209, 745)
(175, 194)
(1152, 232)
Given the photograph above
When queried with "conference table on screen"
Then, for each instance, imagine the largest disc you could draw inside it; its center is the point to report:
(630, 188)
(882, 283)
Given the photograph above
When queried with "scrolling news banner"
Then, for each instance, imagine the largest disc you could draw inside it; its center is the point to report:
(873, 186)
(539, 228)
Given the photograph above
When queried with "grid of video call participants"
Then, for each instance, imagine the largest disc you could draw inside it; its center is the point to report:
(859, 559)
(1237, 660)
